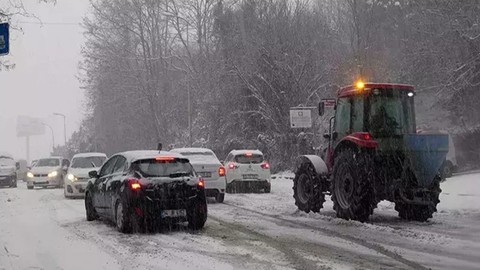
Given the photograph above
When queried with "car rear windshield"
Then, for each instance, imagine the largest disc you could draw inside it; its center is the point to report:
(249, 159)
(6, 161)
(48, 162)
(200, 156)
(163, 168)
(87, 162)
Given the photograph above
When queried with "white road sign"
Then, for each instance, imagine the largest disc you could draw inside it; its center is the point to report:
(28, 126)
(300, 118)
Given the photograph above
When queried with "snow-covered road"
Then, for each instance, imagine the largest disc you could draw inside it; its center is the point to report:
(40, 229)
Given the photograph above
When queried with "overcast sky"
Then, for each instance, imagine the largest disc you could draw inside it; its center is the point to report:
(44, 80)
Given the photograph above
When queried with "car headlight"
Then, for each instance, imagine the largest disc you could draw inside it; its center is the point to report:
(30, 175)
(53, 174)
(71, 177)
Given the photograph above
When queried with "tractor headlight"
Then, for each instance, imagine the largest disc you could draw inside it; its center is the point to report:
(30, 175)
(71, 177)
(53, 174)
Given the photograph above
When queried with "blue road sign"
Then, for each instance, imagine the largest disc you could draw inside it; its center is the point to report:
(4, 39)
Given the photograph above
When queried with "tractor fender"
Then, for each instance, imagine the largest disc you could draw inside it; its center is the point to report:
(356, 141)
(316, 161)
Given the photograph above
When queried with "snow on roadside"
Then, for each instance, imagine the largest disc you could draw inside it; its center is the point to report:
(450, 237)
(461, 193)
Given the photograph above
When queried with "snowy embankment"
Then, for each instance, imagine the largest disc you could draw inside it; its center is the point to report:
(448, 241)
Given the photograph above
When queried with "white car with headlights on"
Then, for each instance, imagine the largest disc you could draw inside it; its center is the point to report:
(206, 164)
(77, 177)
(247, 171)
(48, 172)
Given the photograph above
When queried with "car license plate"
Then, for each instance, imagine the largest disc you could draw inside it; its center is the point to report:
(250, 176)
(205, 174)
(41, 183)
(173, 213)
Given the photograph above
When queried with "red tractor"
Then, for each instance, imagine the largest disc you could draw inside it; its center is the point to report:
(374, 154)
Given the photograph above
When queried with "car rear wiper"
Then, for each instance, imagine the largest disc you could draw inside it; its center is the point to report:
(179, 174)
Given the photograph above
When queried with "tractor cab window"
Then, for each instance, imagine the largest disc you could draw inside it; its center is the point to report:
(391, 113)
(342, 117)
(358, 109)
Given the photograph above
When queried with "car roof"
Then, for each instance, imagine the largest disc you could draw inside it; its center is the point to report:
(7, 155)
(147, 154)
(54, 157)
(244, 151)
(191, 149)
(91, 154)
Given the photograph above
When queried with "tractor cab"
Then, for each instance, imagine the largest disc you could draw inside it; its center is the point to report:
(368, 112)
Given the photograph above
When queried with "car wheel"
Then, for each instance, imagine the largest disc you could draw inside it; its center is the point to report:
(122, 218)
(89, 208)
(267, 189)
(197, 215)
(220, 197)
(30, 187)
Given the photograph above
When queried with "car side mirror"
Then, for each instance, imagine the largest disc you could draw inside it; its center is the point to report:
(326, 136)
(93, 174)
(321, 108)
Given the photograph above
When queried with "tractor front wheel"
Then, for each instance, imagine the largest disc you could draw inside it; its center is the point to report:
(307, 189)
(352, 191)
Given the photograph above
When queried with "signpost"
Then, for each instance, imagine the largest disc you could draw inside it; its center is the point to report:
(300, 117)
(4, 39)
(29, 126)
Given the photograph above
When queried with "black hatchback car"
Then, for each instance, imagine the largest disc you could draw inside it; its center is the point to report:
(141, 189)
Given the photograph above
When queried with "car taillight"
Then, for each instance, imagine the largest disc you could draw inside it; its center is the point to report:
(201, 184)
(221, 171)
(134, 184)
(265, 166)
(232, 166)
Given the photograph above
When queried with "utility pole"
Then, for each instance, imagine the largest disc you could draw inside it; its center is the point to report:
(64, 126)
(28, 150)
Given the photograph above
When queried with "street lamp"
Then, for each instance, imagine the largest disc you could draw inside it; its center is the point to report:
(64, 126)
(53, 137)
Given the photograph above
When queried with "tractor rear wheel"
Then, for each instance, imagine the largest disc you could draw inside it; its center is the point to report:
(353, 195)
(421, 212)
(307, 189)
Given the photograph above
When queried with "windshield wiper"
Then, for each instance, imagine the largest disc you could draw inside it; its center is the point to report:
(179, 174)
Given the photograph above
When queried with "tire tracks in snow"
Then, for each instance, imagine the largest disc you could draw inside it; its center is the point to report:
(285, 247)
(361, 242)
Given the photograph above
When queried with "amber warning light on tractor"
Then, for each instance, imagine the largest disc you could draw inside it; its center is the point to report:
(360, 85)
